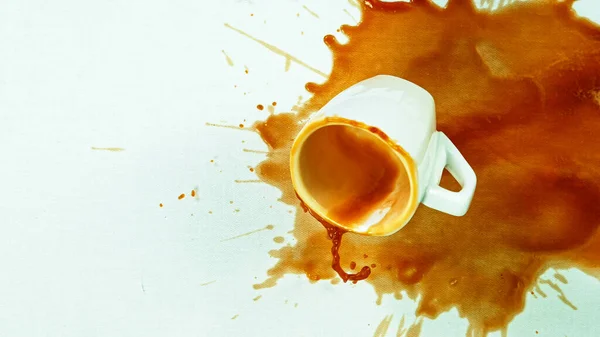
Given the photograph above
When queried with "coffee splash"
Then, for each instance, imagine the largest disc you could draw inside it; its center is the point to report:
(517, 92)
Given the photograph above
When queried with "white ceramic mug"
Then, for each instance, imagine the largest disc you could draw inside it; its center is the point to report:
(367, 159)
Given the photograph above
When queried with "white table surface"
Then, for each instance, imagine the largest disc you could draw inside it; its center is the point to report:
(84, 248)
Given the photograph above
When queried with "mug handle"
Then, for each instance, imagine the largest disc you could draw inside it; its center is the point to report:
(448, 157)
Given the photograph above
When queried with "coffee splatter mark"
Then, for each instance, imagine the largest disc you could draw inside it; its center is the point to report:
(160, 205)
(181, 196)
(415, 329)
(271, 109)
(401, 330)
(561, 278)
(350, 15)
(235, 127)
(257, 298)
(310, 12)
(561, 294)
(110, 149)
(260, 107)
(279, 239)
(288, 57)
(207, 283)
(268, 227)
(249, 181)
(274, 104)
(227, 58)
(513, 92)
(295, 305)
(354, 3)
(540, 291)
(383, 326)
(193, 193)
(235, 316)
(255, 151)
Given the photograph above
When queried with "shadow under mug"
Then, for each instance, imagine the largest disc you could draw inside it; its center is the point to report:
(371, 155)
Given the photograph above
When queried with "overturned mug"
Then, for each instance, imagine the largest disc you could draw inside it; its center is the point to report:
(367, 159)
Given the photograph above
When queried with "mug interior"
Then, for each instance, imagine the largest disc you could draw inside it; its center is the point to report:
(353, 178)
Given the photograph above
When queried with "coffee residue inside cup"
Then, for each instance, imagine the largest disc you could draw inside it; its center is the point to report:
(517, 90)
(351, 174)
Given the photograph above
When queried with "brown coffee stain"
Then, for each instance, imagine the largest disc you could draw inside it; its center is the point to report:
(561, 278)
(227, 58)
(539, 291)
(110, 149)
(415, 329)
(401, 330)
(255, 151)
(278, 239)
(207, 283)
(383, 326)
(181, 196)
(248, 181)
(561, 294)
(350, 15)
(257, 298)
(193, 193)
(235, 127)
(288, 57)
(310, 11)
(235, 316)
(516, 91)
(354, 3)
(268, 227)
(160, 205)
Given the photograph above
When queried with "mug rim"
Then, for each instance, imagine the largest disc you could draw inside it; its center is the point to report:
(405, 158)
